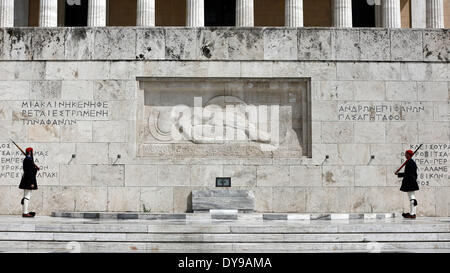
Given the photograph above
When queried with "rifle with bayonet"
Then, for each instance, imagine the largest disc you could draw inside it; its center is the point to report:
(408, 159)
(23, 152)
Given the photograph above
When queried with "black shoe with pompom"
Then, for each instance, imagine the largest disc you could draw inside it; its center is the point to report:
(28, 215)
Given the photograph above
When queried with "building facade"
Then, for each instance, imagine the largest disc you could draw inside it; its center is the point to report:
(266, 13)
(308, 104)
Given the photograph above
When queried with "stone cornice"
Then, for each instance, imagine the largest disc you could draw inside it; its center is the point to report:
(225, 44)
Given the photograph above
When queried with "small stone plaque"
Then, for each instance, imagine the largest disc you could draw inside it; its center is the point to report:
(223, 182)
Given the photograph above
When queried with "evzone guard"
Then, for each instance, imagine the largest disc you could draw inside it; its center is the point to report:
(28, 182)
(409, 182)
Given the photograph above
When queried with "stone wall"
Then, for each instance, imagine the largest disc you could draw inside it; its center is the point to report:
(75, 91)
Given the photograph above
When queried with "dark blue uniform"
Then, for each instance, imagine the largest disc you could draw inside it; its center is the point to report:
(29, 174)
(409, 182)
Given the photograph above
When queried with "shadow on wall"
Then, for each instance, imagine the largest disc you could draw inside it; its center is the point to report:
(189, 203)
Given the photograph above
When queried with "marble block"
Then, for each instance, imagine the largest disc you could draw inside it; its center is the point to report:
(206, 200)
(436, 45)
(221, 214)
(17, 44)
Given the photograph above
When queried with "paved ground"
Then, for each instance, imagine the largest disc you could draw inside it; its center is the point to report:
(54, 234)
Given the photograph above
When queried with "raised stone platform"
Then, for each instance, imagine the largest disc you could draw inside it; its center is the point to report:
(222, 214)
(54, 234)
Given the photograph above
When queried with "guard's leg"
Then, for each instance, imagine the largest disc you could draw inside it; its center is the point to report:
(412, 202)
(26, 201)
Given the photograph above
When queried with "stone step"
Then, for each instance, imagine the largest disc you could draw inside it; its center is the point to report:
(354, 228)
(223, 247)
(292, 247)
(52, 234)
(415, 250)
(228, 227)
(206, 215)
(217, 238)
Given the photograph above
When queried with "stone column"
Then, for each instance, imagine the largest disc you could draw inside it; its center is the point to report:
(97, 13)
(435, 14)
(244, 13)
(145, 13)
(293, 13)
(6, 13)
(391, 13)
(342, 13)
(195, 13)
(48, 13)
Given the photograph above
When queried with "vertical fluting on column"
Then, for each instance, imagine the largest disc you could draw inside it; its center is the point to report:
(145, 13)
(294, 13)
(435, 14)
(48, 13)
(244, 13)
(195, 13)
(6, 13)
(97, 13)
(391, 13)
(342, 13)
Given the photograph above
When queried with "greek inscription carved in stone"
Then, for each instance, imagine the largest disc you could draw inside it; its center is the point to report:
(62, 112)
(433, 163)
(11, 163)
(377, 112)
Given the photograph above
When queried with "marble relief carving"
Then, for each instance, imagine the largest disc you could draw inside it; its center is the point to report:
(260, 114)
